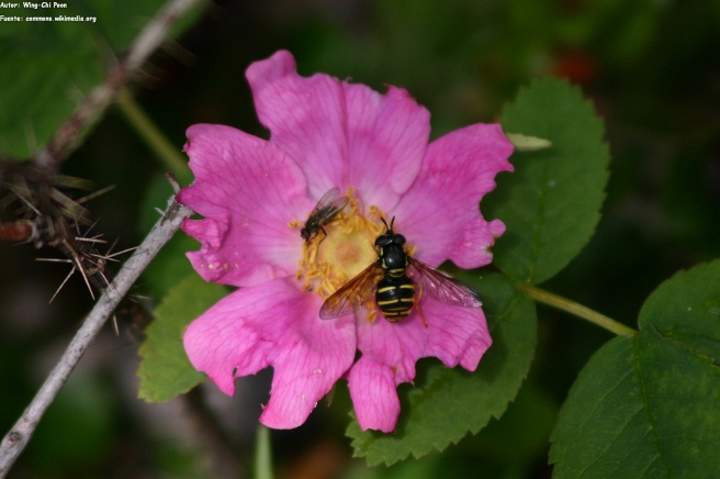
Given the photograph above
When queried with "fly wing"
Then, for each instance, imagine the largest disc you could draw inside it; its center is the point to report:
(355, 292)
(330, 203)
(442, 286)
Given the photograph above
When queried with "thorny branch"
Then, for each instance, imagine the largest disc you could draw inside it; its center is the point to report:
(149, 39)
(38, 212)
(17, 438)
(46, 216)
(33, 209)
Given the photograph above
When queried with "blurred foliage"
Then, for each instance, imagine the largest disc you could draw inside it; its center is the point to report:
(54, 65)
(83, 407)
(650, 67)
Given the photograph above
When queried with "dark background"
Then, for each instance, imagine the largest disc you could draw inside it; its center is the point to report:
(652, 69)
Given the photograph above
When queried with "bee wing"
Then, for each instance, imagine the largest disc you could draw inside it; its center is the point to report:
(331, 202)
(353, 293)
(442, 286)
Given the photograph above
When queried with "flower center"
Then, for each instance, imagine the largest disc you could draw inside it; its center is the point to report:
(330, 261)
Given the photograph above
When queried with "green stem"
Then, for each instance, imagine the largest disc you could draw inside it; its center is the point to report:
(152, 135)
(263, 454)
(576, 309)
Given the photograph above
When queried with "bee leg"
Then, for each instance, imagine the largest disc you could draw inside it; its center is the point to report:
(418, 308)
(423, 319)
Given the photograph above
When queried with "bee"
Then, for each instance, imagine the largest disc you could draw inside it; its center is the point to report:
(397, 280)
(327, 207)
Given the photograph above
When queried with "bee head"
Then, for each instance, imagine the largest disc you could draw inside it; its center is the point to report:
(389, 237)
(384, 240)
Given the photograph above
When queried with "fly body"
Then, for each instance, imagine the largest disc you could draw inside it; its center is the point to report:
(327, 207)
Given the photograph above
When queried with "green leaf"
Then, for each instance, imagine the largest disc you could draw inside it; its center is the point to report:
(165, 371)
(52, 66)
(647, 406)
(551, 203)
(446, 404)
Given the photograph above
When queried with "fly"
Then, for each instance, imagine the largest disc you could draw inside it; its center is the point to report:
(331, 203)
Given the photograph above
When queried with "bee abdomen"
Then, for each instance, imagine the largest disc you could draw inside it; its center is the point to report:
(395, 296)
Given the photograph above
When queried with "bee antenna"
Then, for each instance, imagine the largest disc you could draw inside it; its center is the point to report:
(385, 223)
(392, 222)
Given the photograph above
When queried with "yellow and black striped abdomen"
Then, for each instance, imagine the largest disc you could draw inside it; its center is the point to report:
(395, 296)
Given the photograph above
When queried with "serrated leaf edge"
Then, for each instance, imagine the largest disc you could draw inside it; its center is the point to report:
(441, 446)
(598, 123)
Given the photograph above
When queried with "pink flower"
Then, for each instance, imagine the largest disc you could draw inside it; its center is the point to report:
(255, 194)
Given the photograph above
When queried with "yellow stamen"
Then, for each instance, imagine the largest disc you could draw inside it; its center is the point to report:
(330, 261)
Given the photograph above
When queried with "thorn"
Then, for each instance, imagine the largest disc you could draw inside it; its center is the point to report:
(173, 181)
(116, 328)
(105, 278)
(106, 258)
(179, 53)
(87, 232)
(85, 278)
(73, 182)
(79, 265)
(53, 260)
(126, 250)
(112, 246)
(90, 240)
(25, 200)
(69, 206)
(160, 211)
(57, 291)
(94, 195)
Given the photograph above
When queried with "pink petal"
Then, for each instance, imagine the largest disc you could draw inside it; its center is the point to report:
(456, 335)
(308, 361)
(341, 134)
(387, 139)
(306, 117)
(439, 213)
(249, 192)
(374, 394)
(273, 324)
(453, 334)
